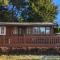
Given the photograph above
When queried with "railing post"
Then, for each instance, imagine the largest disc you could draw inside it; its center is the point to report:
(9, 41)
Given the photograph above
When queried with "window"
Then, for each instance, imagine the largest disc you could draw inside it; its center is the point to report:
(20, 31)
(42, 30)
(47, 30)
(35, 30)
(38, 30)
(28, 31)
(15, 30)
(2, 30)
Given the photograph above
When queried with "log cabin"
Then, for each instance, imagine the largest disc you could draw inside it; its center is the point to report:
(14, 35)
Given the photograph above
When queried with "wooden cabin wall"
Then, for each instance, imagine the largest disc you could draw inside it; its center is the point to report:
(28, 40)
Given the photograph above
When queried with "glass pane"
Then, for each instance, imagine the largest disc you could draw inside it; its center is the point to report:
(35, 30)
(15, 30)
(42, 30)
(47, 30)
(28, 30)
(2, 30)
(20, 31)
(39, 30)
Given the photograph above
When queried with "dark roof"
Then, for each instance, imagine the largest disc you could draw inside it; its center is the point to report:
(26, 23)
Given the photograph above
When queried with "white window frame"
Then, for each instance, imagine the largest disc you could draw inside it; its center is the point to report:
(2, 30)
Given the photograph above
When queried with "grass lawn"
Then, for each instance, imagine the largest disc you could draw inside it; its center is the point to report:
(28, 57)
(20, 57)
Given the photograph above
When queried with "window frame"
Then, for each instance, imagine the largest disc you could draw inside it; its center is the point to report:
(15, 31)
(47, 29)
(3, 32)
(39, 30)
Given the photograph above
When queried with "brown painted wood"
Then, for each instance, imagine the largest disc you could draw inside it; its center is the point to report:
(29, 41)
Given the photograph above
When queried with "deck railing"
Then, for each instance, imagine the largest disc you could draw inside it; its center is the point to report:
(39, 41)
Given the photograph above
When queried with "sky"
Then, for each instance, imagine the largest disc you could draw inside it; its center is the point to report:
(57, 2)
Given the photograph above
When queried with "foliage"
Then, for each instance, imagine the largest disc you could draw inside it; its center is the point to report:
(0, 2)
(18, 3)
(4, 2)
(31, 10)
(57, 30)
(6, 16)
(44, 9)
(38, 10)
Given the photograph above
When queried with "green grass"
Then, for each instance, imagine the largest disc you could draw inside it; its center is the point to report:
(28, 57)
(20, 57)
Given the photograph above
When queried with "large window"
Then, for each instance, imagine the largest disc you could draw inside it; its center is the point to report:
(2, 30)
(41, 30)
(38, 30)
(18, 31)
(31, 30)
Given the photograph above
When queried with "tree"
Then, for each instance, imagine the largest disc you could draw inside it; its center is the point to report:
(44, 9)
(5, 15)
(37, 11)
(31, 10)
(21, 6)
